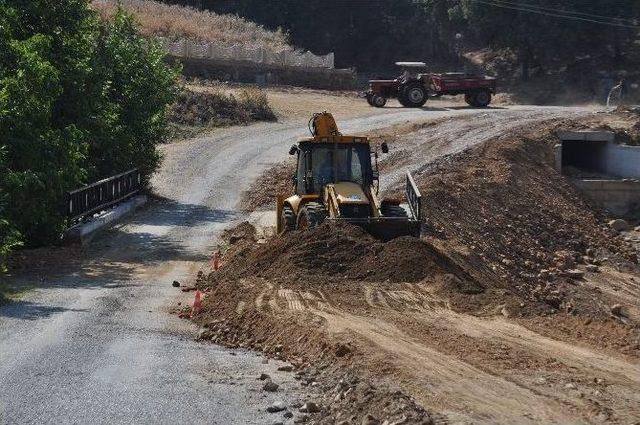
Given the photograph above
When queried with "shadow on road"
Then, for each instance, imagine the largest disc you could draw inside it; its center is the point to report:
(424, 108)
(26, 310)
(458, 108)
(154, 235)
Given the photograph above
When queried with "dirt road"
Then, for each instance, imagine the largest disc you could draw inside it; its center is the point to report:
(94, 343)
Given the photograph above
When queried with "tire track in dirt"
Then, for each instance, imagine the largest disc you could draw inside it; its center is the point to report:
(476, 392)
(456, 386)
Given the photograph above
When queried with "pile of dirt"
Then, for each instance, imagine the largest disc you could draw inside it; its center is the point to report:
(336, 250)
(273, 182)
(502, 211)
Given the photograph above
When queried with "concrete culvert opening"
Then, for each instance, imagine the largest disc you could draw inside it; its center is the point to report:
(606, 172)
(584, 158)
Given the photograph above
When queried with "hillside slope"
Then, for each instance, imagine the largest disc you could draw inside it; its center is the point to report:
(178, 22)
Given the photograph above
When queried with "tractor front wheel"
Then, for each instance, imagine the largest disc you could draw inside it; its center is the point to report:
(311, 215)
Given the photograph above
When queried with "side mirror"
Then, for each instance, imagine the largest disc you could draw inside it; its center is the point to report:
(293, 150)
(384, 147)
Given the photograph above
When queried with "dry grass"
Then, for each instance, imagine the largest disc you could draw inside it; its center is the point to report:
(198, 111)
(177, 22)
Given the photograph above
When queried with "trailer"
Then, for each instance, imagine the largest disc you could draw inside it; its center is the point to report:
(413, 89)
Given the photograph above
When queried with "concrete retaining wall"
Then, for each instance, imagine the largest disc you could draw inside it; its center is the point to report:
(620, 197)
(622, 160)
(248, 72)
(596, 151)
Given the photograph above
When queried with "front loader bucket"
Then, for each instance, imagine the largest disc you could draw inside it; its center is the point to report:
(385, 228)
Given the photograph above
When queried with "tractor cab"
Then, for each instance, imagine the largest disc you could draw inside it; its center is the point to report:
(411, 71)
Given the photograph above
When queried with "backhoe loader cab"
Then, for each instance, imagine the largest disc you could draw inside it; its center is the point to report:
(337, 179)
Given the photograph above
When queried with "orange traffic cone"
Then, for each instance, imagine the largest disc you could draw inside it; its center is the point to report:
(215, 261)
(197, 304)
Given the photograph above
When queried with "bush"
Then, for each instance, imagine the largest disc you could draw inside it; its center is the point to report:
(79, 100)
(218, 109)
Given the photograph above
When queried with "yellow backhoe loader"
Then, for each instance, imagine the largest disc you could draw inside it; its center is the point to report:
(337, 180)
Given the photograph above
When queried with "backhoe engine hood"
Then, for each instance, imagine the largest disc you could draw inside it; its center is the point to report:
(350, 193)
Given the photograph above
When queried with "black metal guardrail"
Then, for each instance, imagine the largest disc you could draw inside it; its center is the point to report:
(102, 194)
(414, 198)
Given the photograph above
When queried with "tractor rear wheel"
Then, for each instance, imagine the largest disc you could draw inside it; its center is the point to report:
(415, 95)
(288, 219)
(311, 215)
(391, 210)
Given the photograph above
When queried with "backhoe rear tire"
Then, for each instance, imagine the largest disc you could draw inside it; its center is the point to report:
(311, 215)
(288, 219)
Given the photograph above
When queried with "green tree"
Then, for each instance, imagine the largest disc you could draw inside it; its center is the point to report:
(9, 236)
(79, 100)
(42, 75)
(540, 31)
(137, 85)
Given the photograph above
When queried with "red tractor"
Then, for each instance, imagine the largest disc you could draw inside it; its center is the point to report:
(413, 89)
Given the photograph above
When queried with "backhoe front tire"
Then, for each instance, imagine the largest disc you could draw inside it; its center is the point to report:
(288, 219)
(311, 215)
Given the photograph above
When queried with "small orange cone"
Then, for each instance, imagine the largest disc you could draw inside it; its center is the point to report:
(197, 304)
(215, 261)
